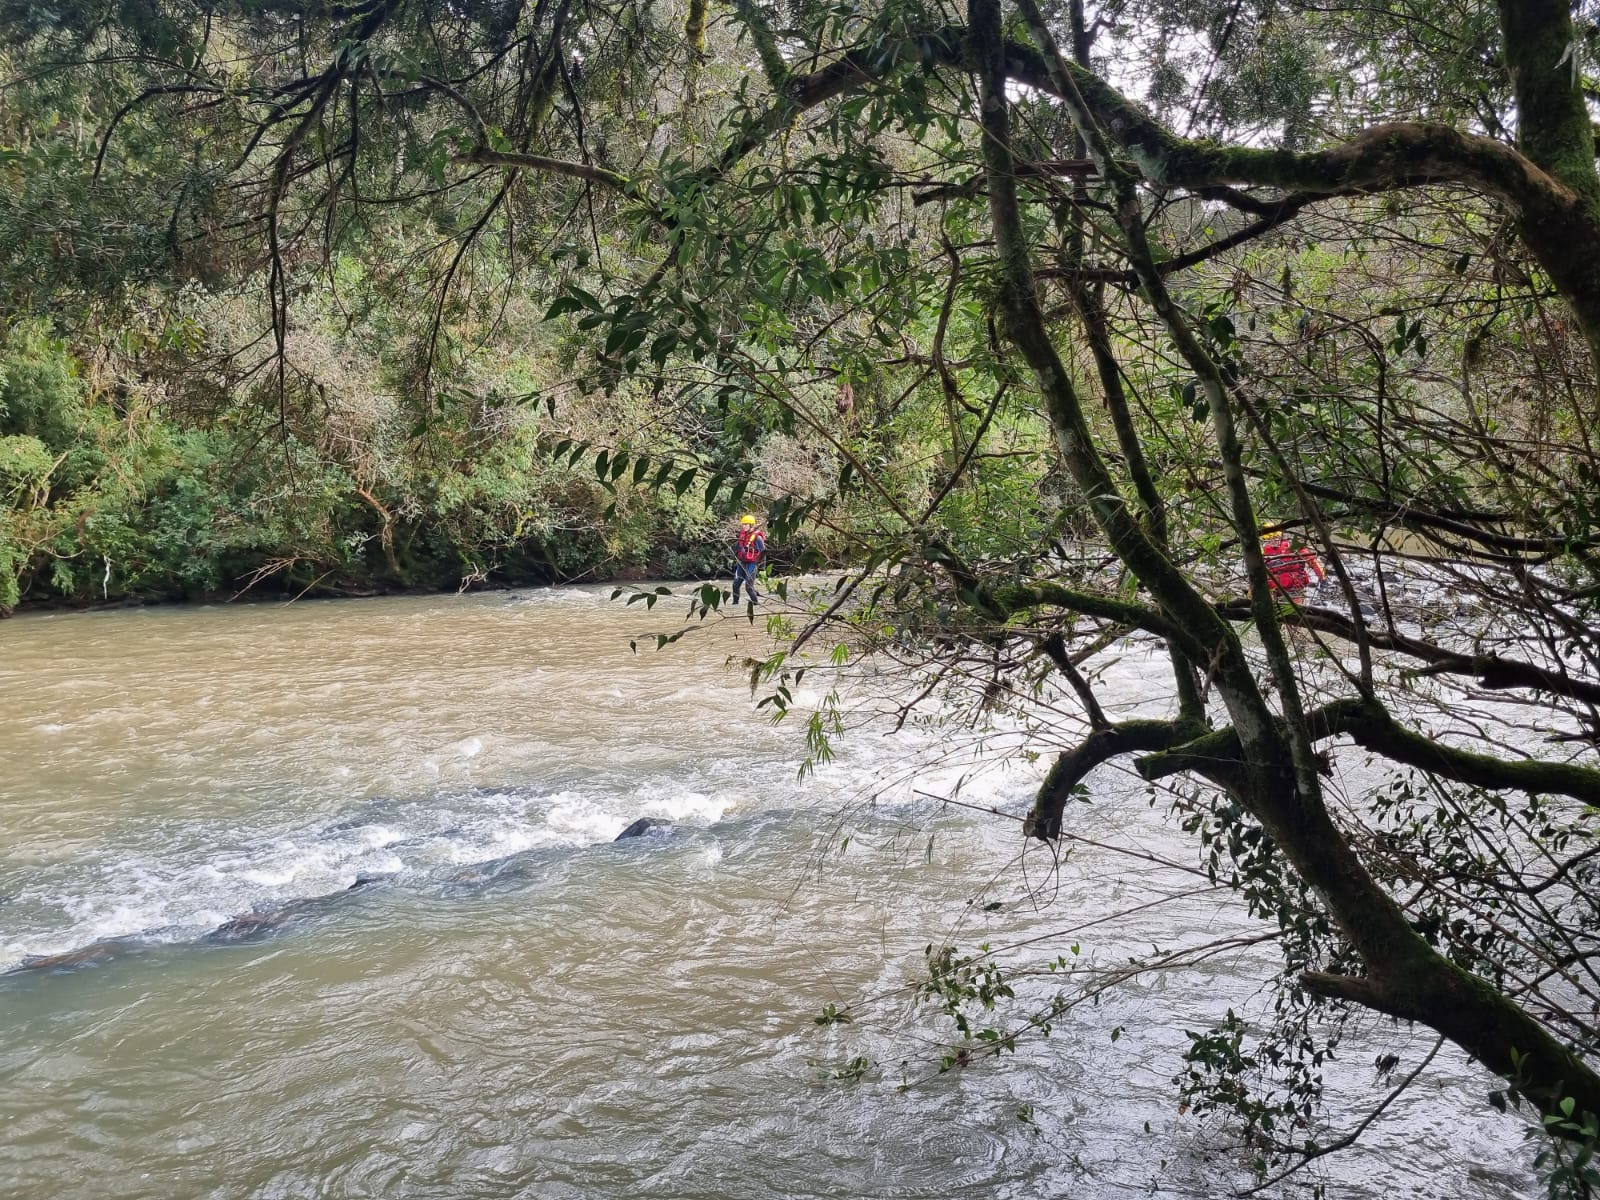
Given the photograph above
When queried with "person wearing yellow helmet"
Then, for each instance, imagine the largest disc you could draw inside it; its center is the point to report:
(747, 552)
(1290, 565)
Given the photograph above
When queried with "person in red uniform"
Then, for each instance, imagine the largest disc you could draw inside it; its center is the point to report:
(747, 552)
(1289, 564)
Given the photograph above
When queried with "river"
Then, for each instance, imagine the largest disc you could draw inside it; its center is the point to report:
(515, 1005)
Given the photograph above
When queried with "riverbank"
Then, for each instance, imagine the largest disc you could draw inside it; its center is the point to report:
(119, 483)
(277, 590)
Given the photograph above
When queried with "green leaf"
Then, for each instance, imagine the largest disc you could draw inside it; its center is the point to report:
(562, 304)
(624, 339)
(662, 347)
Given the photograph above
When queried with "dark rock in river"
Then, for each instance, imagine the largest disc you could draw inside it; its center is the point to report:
(508, 870)
(92, 955)
(646, 827)
(250, 925)
(369, 812)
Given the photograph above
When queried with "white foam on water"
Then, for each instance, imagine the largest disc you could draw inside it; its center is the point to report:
(270, 878)
(173, 899)
(183, 880)
(692, 806)
(121, 916)
(379, 836)
(583, 822)
(553, 595)
(686, 695)
(513, 841)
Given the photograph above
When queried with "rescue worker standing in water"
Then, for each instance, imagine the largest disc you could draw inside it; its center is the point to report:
(1289, 564)
(747, 552)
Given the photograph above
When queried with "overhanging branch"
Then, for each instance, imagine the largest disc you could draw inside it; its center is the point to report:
(1492, 671)
(1019, 598)
(1214, 754)
(1044, 821)
(1383, 158)
(588, 172)
(1374, 729)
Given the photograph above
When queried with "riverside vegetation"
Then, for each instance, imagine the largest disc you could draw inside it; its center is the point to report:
(1031, 316)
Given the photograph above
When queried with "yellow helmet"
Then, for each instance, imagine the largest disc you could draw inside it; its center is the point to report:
(747, 519)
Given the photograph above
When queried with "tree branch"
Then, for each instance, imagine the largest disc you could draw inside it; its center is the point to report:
(1044, 820)
(1018, 598)
(1490, 670)
(588, 172)
(1372, 728)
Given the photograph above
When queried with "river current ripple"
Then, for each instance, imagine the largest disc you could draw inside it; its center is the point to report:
(518, 1006)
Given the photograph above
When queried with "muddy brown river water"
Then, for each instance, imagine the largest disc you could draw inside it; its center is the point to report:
(514, 1005)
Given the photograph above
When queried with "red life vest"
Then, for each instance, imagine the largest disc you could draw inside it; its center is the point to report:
(751, 543)
(1286, 567)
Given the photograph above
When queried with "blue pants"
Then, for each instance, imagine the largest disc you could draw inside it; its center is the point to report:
(745, 573)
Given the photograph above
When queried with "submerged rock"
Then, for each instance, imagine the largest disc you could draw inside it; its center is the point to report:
(265, 922)
(248, 925)
(509, 869)
(646, 827)
(258, 924)
(92, 955)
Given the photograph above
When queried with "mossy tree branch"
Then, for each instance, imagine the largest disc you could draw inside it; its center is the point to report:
(1491, 671)
(766, 42)
(1045, 819)
(1549, 186)
(588, 172)
(1371, 727)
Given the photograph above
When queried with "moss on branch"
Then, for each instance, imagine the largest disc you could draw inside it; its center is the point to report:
(1492, 671)
(1044, 820)
(1014, 600)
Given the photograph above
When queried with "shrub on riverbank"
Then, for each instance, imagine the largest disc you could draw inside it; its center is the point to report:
(107, 494)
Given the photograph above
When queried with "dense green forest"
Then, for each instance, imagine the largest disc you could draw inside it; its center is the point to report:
(1029, 317)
